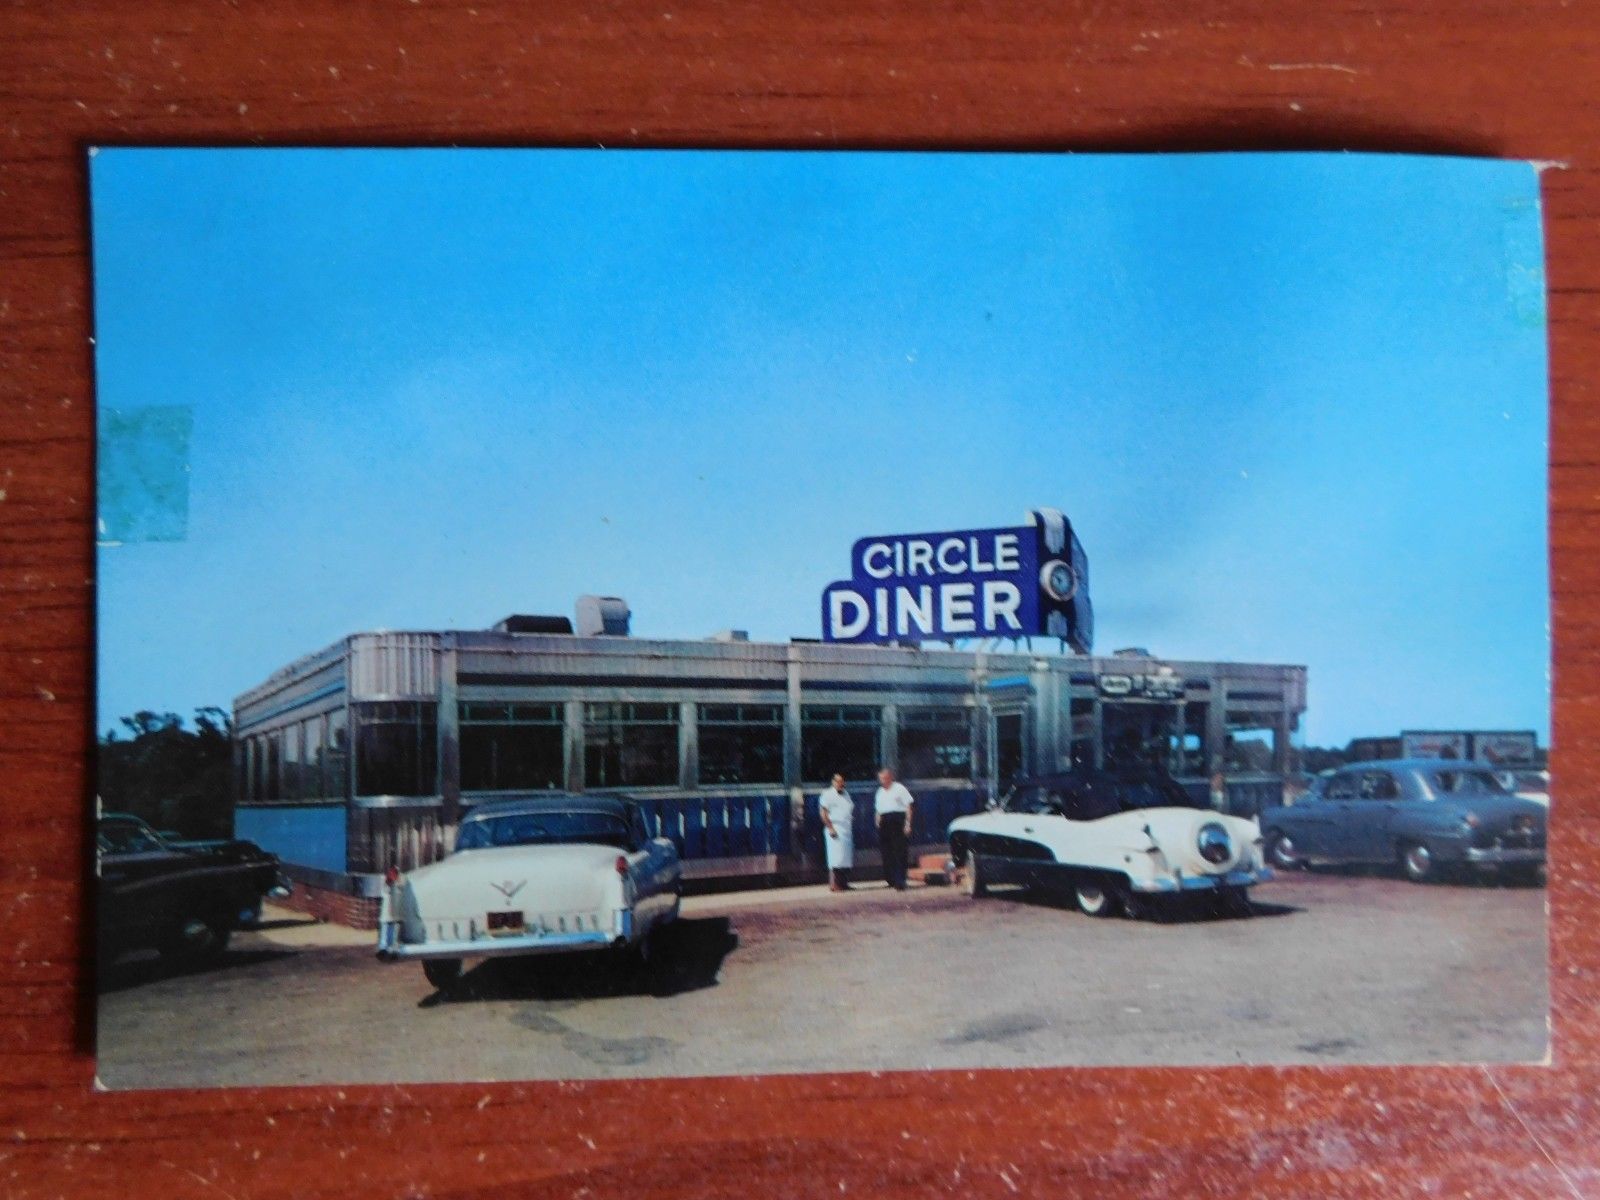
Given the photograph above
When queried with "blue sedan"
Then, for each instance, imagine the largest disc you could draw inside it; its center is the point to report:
(1425, 815)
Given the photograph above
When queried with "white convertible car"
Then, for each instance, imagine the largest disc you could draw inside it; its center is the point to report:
(555, 874)
(1116, 841)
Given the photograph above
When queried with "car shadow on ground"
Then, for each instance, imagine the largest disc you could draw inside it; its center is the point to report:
(1161, 910)
(148, 968)
(688, 956)
(1449, 876)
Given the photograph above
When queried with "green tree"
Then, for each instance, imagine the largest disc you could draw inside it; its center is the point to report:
(173, 777)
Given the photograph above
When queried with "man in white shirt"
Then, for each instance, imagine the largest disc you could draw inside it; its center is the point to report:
(893, 805)
(837, 811)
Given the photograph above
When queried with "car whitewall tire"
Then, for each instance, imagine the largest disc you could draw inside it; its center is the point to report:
(1280, 852)
(1096, 898)
(1417, 862)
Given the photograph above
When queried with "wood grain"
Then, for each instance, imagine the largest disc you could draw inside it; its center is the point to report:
(1466, 76)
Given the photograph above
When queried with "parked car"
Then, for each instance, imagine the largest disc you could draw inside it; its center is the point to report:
(550, 875)
(183, 899)
(1117, 841)
(1426, 815)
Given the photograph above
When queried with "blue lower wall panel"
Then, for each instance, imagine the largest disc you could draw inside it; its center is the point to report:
(308, 835)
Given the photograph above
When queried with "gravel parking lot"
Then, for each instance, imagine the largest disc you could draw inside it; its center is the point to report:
(1336, 969)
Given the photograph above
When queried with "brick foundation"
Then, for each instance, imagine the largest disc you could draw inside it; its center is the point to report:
(328, 904)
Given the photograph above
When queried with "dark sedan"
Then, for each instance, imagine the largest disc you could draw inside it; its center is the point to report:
(184, 899)
(1425, 815)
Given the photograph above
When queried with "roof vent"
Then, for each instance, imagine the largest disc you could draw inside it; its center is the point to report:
(1132, 652)
(730, 635)
(603, 616)
(533, 623)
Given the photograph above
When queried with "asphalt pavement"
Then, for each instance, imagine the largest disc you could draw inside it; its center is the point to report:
(1336, 968)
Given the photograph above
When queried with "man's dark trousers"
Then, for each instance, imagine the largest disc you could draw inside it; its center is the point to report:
(892, 842)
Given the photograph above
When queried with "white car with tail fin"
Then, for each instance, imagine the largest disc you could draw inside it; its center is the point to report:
(556, 874)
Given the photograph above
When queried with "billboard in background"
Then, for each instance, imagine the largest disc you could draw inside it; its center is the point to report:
(1433, 744)
(1502, 747)
(1507, 748)
(1015, 582)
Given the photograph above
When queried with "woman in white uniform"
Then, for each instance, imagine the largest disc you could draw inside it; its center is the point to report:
(838, 833)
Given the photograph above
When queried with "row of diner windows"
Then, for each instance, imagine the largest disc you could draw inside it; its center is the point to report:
(522, 746)
(516, 746)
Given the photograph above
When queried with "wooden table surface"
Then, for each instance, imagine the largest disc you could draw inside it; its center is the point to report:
(1490, 77)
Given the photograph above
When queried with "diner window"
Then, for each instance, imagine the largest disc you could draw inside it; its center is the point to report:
(1082, 733)
(1249, 749)
(935, 743)
(741, 743)
(336, 756)
(293, 761)
(311, 741)
(628, 744)
(272, 786)
(506, 747)
(396, 748)
(1192, 747)
(258, 769)
(839, 739)
(242, 777)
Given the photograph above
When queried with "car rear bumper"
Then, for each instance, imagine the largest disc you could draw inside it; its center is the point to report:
(1504, 856)
(392, 949)
(1202, 883)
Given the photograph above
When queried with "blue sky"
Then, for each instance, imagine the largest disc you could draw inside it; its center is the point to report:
(1294, 404)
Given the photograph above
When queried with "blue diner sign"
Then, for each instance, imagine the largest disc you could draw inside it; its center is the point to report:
(973, 583)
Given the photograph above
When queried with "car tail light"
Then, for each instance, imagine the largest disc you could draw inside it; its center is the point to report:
(1470, 820)
(392, 876)
(622, 865)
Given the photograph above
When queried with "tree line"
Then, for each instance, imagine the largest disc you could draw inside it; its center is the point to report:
(172, 774)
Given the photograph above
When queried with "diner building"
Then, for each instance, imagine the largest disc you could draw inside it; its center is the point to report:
(364, 755)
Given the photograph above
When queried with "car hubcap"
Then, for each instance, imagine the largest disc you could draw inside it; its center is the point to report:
(1091, 899)
(196, 935)
(1418, 860)
(1283, 851)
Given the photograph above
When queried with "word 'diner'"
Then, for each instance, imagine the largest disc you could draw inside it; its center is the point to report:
(946, 609)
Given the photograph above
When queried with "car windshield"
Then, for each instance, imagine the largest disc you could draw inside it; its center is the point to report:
(544, 829)
(1153, 793)
(1089, 797)
(128, 837)
(1465, 783)
(1530, 781)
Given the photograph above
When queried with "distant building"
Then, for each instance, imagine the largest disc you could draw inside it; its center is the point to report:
(1372, 749)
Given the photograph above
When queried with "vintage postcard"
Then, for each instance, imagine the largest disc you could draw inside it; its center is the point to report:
(573, 614)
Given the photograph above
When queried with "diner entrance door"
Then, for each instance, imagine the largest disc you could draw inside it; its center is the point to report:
(1139, 733)
(1010, 751)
